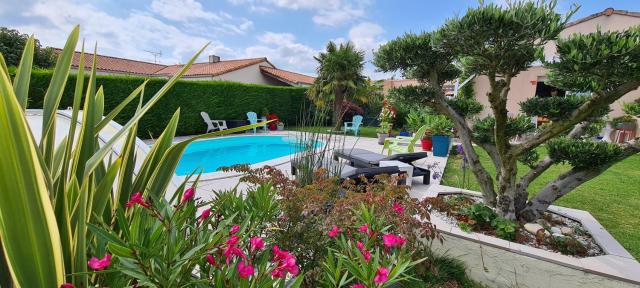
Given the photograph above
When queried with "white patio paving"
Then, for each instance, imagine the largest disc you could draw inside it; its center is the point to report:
(225, 181)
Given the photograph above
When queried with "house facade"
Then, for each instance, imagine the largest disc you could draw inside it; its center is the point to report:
(531, 83)
(250, 71)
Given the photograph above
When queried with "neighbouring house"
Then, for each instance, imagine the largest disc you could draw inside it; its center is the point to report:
(389, 84)
(252, 70)
(532, 82)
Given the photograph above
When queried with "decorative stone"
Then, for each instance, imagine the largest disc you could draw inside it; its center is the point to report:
(555, 230)
(567, 231)
(558, 235)
(533, 228)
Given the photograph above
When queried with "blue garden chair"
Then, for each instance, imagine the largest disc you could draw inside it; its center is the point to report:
(354, 125)
(253, 119)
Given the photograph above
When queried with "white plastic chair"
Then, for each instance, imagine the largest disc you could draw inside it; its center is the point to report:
(213, 125)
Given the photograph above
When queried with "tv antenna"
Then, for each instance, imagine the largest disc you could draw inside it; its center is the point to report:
(155, 54)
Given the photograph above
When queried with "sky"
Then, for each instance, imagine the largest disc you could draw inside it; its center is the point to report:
(288, 32)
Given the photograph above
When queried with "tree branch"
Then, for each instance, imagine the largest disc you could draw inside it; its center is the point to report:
(570, 180)
(547, 162)
(600, 100)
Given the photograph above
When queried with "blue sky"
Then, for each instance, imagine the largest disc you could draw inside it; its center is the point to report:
(288, 32)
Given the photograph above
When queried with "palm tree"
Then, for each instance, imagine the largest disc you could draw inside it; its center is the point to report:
(339, 77)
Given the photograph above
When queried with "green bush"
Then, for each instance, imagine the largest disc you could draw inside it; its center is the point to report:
(221, 99)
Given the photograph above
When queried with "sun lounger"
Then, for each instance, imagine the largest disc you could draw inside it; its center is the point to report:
(364, 158)
(355, 173)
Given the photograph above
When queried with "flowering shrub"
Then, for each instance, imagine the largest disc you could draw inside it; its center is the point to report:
(387, 114)
(314, 216)
(368, 254)
(175, 245)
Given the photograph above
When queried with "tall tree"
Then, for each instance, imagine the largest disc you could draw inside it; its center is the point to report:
(12, 44)
(500, 42)
(340, 78)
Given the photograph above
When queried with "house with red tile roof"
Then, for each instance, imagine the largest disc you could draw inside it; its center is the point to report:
(252, 70)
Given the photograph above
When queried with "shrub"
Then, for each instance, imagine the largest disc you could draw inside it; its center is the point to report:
(222, 100)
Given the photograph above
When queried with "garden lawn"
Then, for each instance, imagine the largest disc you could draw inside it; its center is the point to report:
(365, 131)
(613, 197)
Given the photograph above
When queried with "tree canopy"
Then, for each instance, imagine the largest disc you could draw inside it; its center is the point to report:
(499, 43)
(12, 44)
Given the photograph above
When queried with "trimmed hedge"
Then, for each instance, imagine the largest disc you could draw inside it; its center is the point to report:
(221, 99)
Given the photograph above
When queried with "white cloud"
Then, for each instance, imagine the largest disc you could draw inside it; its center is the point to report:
(283, 50)
(182, 10)
(124, 36)
(366, 36)
(326, 12)
(190, 13)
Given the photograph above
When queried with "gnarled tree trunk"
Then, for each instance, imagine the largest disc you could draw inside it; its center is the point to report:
(337, 109)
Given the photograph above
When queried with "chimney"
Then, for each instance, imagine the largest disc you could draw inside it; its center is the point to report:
(214, 58)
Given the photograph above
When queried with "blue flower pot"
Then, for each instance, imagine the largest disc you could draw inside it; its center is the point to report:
(441, 145)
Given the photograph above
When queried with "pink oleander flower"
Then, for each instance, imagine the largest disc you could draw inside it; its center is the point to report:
(365, 253)
(390, 240)
(137, 199)
(364, 228)
(256, 243)
(205, 214)
(285, 263)
(398, 208)
(188, 195)
(245, 270)
(334, 231)
(382, 275)
(234, 229)
(67, 285)
(232, 249)
(358, 286)
(99, 264)
(211, 260)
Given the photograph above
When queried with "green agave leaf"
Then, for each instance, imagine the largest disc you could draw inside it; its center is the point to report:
(27, 222)
(102, 194)
(79, 227)
(153, 158)
(127, 166)
(54, 94)
(100, 154)
(23, 74)
(3, 65)
(116, 111)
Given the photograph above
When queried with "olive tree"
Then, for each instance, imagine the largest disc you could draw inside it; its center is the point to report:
(500, 42)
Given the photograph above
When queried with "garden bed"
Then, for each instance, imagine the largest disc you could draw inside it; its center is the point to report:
(553, 232)
(497, 262)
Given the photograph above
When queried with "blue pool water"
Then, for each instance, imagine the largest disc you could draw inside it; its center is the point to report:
(212, 154)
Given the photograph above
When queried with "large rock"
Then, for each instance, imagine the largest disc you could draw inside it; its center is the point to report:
(533, 228)
(567, 231)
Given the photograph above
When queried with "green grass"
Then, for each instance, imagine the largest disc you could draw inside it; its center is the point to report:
(613, 198)
(365, 131)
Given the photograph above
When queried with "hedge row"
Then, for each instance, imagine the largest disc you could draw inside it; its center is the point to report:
(221, 99)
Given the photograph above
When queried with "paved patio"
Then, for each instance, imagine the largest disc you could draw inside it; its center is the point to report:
(224, 181)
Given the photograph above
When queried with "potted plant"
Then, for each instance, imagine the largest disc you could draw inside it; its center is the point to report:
(415, 120)
(442, 129)
(387, 114)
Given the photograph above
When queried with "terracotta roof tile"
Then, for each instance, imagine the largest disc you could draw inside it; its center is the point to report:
(606, 12)
(212, 69)
(288, 76)
(115, 64)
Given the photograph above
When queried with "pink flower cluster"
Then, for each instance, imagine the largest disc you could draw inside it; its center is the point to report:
(365, 253)
(137, 199)
(285, 262)
(334, 231)
(390, 241)
(99, 264)
(382, 275)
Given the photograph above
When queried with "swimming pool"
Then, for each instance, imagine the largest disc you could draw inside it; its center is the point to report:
(212, 154)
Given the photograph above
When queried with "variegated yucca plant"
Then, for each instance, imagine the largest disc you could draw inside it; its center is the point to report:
(49, 192)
